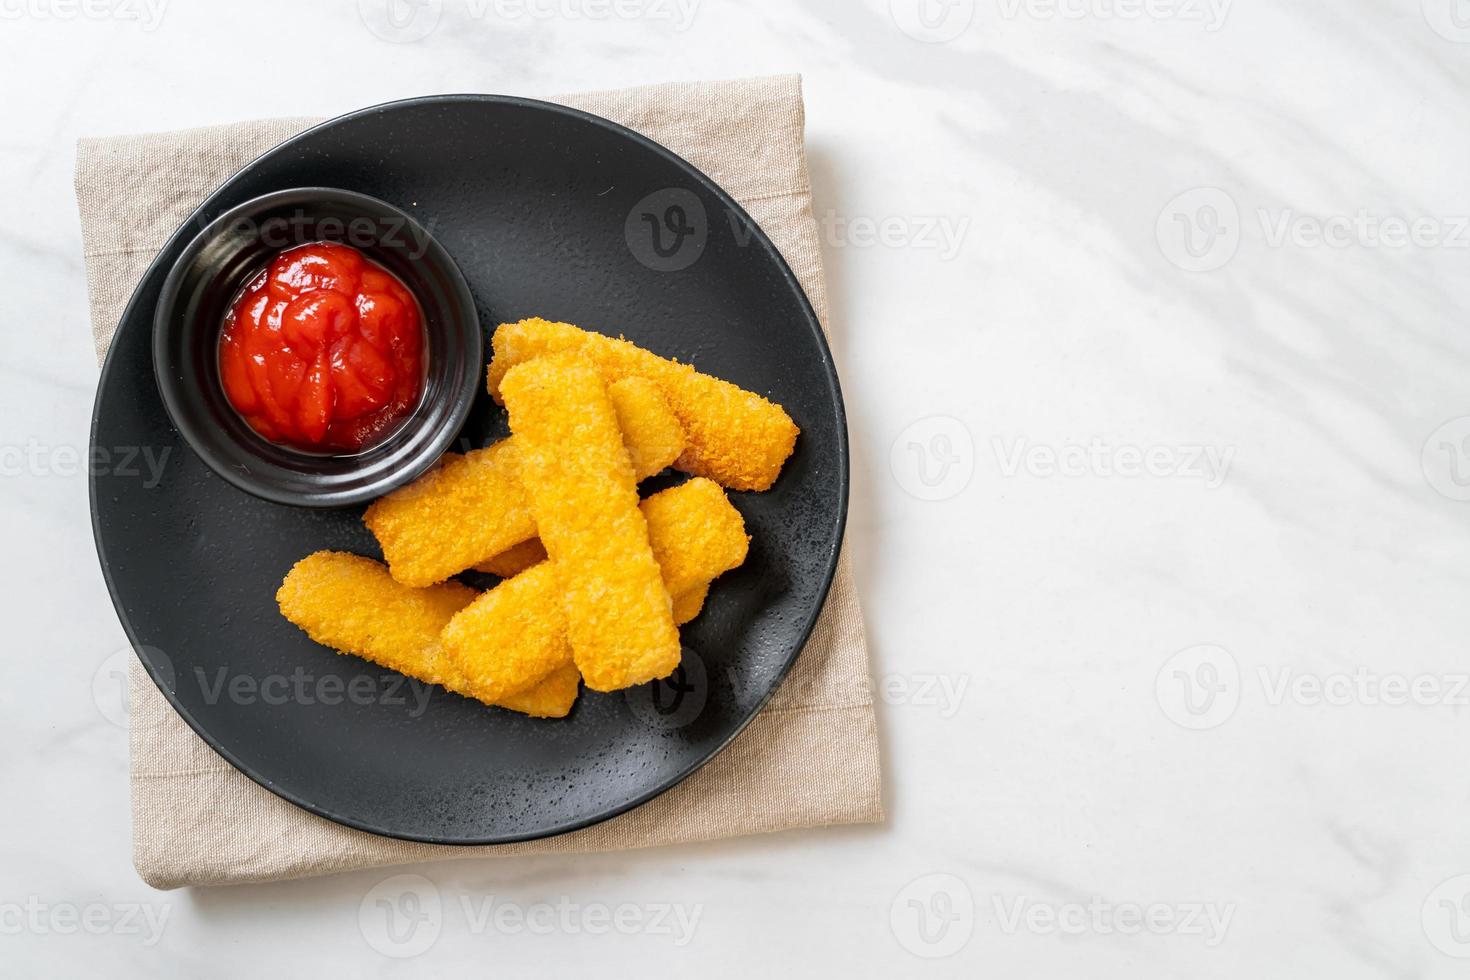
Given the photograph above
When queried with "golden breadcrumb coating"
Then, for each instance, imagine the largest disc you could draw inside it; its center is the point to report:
(472, 507)
(695, 533)
(515, 559)
(465, 509)
(651, 431)
(551, 697)
(584, 494)
(734, 437)
(353, 605)
(688, 605)
(511, 636)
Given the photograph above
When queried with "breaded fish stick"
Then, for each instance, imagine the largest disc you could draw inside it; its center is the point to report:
(584, 495)
(735, 437)
(472, 507)
(688, 605)
(353, 605)
(514, 561)
(515, 634)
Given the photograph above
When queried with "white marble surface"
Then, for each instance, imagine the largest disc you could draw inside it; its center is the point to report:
(1144, 466)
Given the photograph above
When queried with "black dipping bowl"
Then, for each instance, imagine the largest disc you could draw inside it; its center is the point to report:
(210, 273)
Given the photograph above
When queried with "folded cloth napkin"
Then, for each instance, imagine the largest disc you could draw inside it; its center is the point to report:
(809, 759)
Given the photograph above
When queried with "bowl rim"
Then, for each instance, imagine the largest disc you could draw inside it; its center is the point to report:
(190, 429)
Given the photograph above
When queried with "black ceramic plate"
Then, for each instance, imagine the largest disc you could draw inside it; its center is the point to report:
(548, 212)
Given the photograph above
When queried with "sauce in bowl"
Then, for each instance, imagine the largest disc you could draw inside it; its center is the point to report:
(323, 350)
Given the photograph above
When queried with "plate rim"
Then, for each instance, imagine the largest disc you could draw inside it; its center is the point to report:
(843, 450)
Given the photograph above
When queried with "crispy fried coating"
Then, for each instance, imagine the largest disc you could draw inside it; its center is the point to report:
(551, 697)
(688, 605)
(465, 509)
(514, 634)
(472, 507)
(734, 437)
(695, 533)
(652, 432)
(585, 497)
(515, 559)
(353, 605)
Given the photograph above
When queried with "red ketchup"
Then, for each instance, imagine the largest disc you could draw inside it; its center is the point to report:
(323, 350)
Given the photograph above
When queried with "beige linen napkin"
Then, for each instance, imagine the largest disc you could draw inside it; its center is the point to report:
(809, 759)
